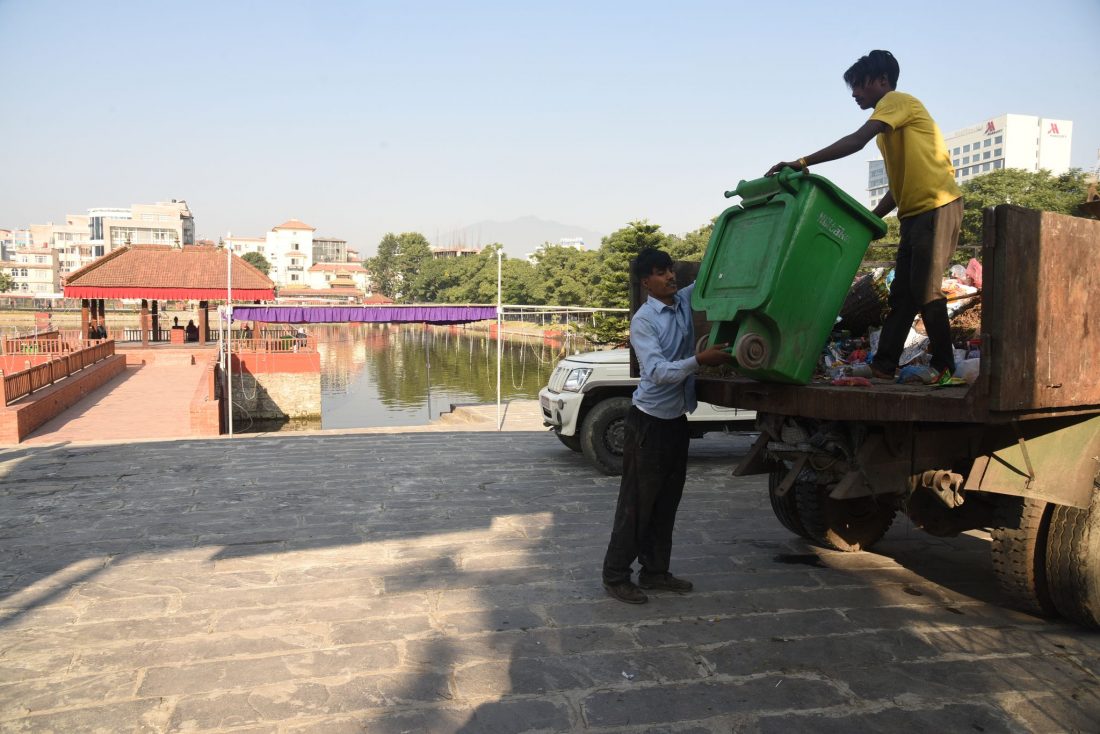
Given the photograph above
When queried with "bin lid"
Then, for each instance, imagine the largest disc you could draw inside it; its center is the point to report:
(759, 190)
(751, 240)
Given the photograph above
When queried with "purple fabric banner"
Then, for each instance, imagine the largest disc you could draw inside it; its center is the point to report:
(352, 314)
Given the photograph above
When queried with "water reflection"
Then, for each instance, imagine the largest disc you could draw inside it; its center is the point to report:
(399, 375)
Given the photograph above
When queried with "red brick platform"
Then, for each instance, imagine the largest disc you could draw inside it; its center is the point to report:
(146, 401)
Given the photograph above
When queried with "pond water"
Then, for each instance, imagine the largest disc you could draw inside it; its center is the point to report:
(376, 375)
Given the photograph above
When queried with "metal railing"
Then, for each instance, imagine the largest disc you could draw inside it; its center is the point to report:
(23, 383)
(163, 335)
(284, 343)
(134, 335)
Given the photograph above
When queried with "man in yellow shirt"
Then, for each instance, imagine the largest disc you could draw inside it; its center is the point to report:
(929, 204)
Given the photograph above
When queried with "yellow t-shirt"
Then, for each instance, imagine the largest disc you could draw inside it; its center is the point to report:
(917, 163)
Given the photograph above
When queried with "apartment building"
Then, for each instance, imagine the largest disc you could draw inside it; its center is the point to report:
(329, 250)
(34, 272)
(85, 237)
(288, 248)
(163, 223)
(1026, 142)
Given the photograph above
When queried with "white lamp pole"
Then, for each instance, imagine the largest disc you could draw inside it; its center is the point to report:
(500, 334)
(229, 329)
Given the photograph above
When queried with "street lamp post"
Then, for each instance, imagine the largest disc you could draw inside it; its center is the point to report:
(229, 330)
(500, 335)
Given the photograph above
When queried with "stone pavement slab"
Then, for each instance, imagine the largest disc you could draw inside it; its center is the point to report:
(448, 581)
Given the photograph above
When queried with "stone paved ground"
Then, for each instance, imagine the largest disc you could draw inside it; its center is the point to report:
(439, 582)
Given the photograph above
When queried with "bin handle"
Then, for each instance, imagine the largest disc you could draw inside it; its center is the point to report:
(760, 190)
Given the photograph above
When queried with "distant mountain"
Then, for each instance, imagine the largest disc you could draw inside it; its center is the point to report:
(520, 236)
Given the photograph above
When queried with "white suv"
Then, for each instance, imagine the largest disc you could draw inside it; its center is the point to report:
(587, 400)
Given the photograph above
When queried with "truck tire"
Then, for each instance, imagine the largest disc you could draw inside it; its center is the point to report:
(1019, 550)
(843, 525)
(1073, 563)
(785, 507)
(573, 443)
(602, 433)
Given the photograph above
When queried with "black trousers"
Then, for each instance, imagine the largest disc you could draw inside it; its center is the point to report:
(654, 469)
(927, 242)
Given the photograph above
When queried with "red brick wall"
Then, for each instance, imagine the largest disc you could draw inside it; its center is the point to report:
(207, 417)
(266, 363)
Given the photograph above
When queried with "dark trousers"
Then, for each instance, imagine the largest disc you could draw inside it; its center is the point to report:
(927, 242)
(654, 469)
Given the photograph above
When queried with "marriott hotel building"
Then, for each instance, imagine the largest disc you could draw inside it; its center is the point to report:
(1009, 141)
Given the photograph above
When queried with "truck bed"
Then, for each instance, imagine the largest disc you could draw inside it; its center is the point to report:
(1040, 338)
(880, 402)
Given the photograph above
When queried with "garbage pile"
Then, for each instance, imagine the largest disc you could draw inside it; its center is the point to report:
(846, 358)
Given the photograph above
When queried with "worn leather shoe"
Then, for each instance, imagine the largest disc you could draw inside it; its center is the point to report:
(664, 582)
(878, 374)
(626, 591)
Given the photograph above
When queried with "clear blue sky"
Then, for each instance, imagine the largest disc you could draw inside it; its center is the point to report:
(365, 117)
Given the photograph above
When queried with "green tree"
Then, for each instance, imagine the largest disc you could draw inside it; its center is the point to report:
(480, 279)
(413, 251)
(1041, 190)
(6, 282)
(691, 246)
(884, 250)
(257, 261)
(612, 289)
(519, 282)
(564, 275)
(383, 267)
(434, 278)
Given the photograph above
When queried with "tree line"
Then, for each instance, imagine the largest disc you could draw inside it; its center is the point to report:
(556, 275)
(405, 270)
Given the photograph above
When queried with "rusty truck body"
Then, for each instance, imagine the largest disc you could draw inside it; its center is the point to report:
(1017, 451)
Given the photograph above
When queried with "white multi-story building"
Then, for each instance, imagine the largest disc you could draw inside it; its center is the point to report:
(1009, 141)
(34, 272)
(339, 275)
(85, 237)
(288, 248)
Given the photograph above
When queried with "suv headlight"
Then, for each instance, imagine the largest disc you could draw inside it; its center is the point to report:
(576, 379)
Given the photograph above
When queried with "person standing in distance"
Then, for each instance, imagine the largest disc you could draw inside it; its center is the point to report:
(655, 444)
(929, 204)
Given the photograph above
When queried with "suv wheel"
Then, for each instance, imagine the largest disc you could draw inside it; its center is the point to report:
(602, 434)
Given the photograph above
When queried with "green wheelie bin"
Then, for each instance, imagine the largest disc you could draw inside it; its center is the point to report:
(777, 269)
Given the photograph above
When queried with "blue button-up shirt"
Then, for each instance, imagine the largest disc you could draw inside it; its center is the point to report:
(663, 338)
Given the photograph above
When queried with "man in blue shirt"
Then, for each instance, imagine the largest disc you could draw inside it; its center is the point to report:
(656, 440)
